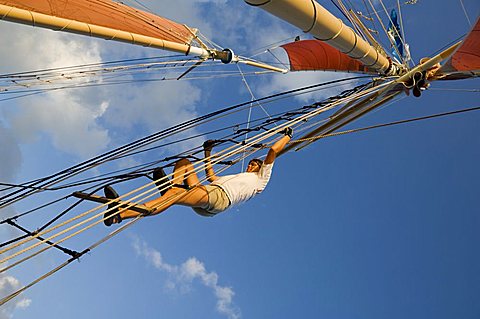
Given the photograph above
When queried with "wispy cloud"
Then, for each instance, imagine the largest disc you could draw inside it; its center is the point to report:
(183, 276)
(9, 284)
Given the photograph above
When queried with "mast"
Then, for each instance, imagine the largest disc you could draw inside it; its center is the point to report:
(312, 18)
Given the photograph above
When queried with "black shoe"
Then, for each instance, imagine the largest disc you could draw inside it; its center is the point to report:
(111, 216)
(161, 180)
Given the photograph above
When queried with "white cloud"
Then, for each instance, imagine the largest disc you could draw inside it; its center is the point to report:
(78, 121)
(8, 285)
(10, 156)
(184, 275)
(68, 118)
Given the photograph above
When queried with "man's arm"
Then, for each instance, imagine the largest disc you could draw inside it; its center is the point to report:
(278, 146)
(207, 148)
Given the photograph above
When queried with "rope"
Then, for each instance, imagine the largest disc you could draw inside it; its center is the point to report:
(228, 152)
(314, 138)
(52, 179)
(218, 157)
(466, 14)
(254, 140)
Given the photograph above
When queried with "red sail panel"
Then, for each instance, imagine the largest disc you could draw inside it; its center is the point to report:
(108, 14)
(467, 56)
(310, 55)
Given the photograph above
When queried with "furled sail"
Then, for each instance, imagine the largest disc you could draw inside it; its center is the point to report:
(465, 62)
(102, 18)
(311, 17)
(308, 55)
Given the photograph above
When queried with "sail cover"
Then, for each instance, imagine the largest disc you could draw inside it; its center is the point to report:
(308, 55)
(108, 14)
(467, 57)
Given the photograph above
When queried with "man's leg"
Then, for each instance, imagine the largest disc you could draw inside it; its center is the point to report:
(183, 174)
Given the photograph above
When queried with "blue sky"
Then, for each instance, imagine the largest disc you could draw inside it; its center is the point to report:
(378, 224)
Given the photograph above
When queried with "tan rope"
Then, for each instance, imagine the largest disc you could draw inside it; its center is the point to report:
(143, 196)
(228, 152)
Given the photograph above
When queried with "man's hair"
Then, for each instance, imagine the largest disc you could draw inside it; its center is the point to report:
(258, 161)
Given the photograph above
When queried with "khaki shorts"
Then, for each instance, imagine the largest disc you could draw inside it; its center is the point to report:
(217, 202)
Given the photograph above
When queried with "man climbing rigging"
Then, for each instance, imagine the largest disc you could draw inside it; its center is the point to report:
(206, 200)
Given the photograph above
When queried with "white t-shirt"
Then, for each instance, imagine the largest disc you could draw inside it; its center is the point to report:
(241, 187)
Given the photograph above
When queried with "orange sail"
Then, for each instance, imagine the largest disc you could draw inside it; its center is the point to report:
(307, 55)
(108, 14)
(104, 19)
(465, 62)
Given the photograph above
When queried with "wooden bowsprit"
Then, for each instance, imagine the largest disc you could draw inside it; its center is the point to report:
(105, 200)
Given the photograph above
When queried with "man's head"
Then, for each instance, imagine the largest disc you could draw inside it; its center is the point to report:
(254, 165)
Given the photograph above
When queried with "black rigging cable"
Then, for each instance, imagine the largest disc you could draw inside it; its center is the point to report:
(51, 179)
(143, 172)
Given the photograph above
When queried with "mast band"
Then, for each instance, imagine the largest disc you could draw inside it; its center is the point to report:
(257, 4)
(314, 22)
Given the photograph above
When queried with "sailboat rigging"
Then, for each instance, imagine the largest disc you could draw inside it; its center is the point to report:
(378, 79)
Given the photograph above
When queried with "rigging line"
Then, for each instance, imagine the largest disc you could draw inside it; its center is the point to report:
(131, 202)
(30, 233)
(374, 26)
(341, 6)
(207, 40)
(382, 25)
(253, 98)
(94, 83)
(286, 112)
(86, 181)
(291, 123)
(44, 227)
(404, 36)
(269, 47)
(178, 126)
(48, 274)
(466, 14)
(96, 244)
(143, 6)
(93, 246)
(457, 90)
(388, 124)
(217, 118)
(449, 44)
(341, 11)
(395, 31)
(89, 72)
(279, 61)
(121, 70)
(89, 82)
(59, 69)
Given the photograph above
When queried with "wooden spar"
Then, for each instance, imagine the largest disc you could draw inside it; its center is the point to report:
(374, 100)
(17, 15)
(23, 16)
(312, 18)
(262, 65)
